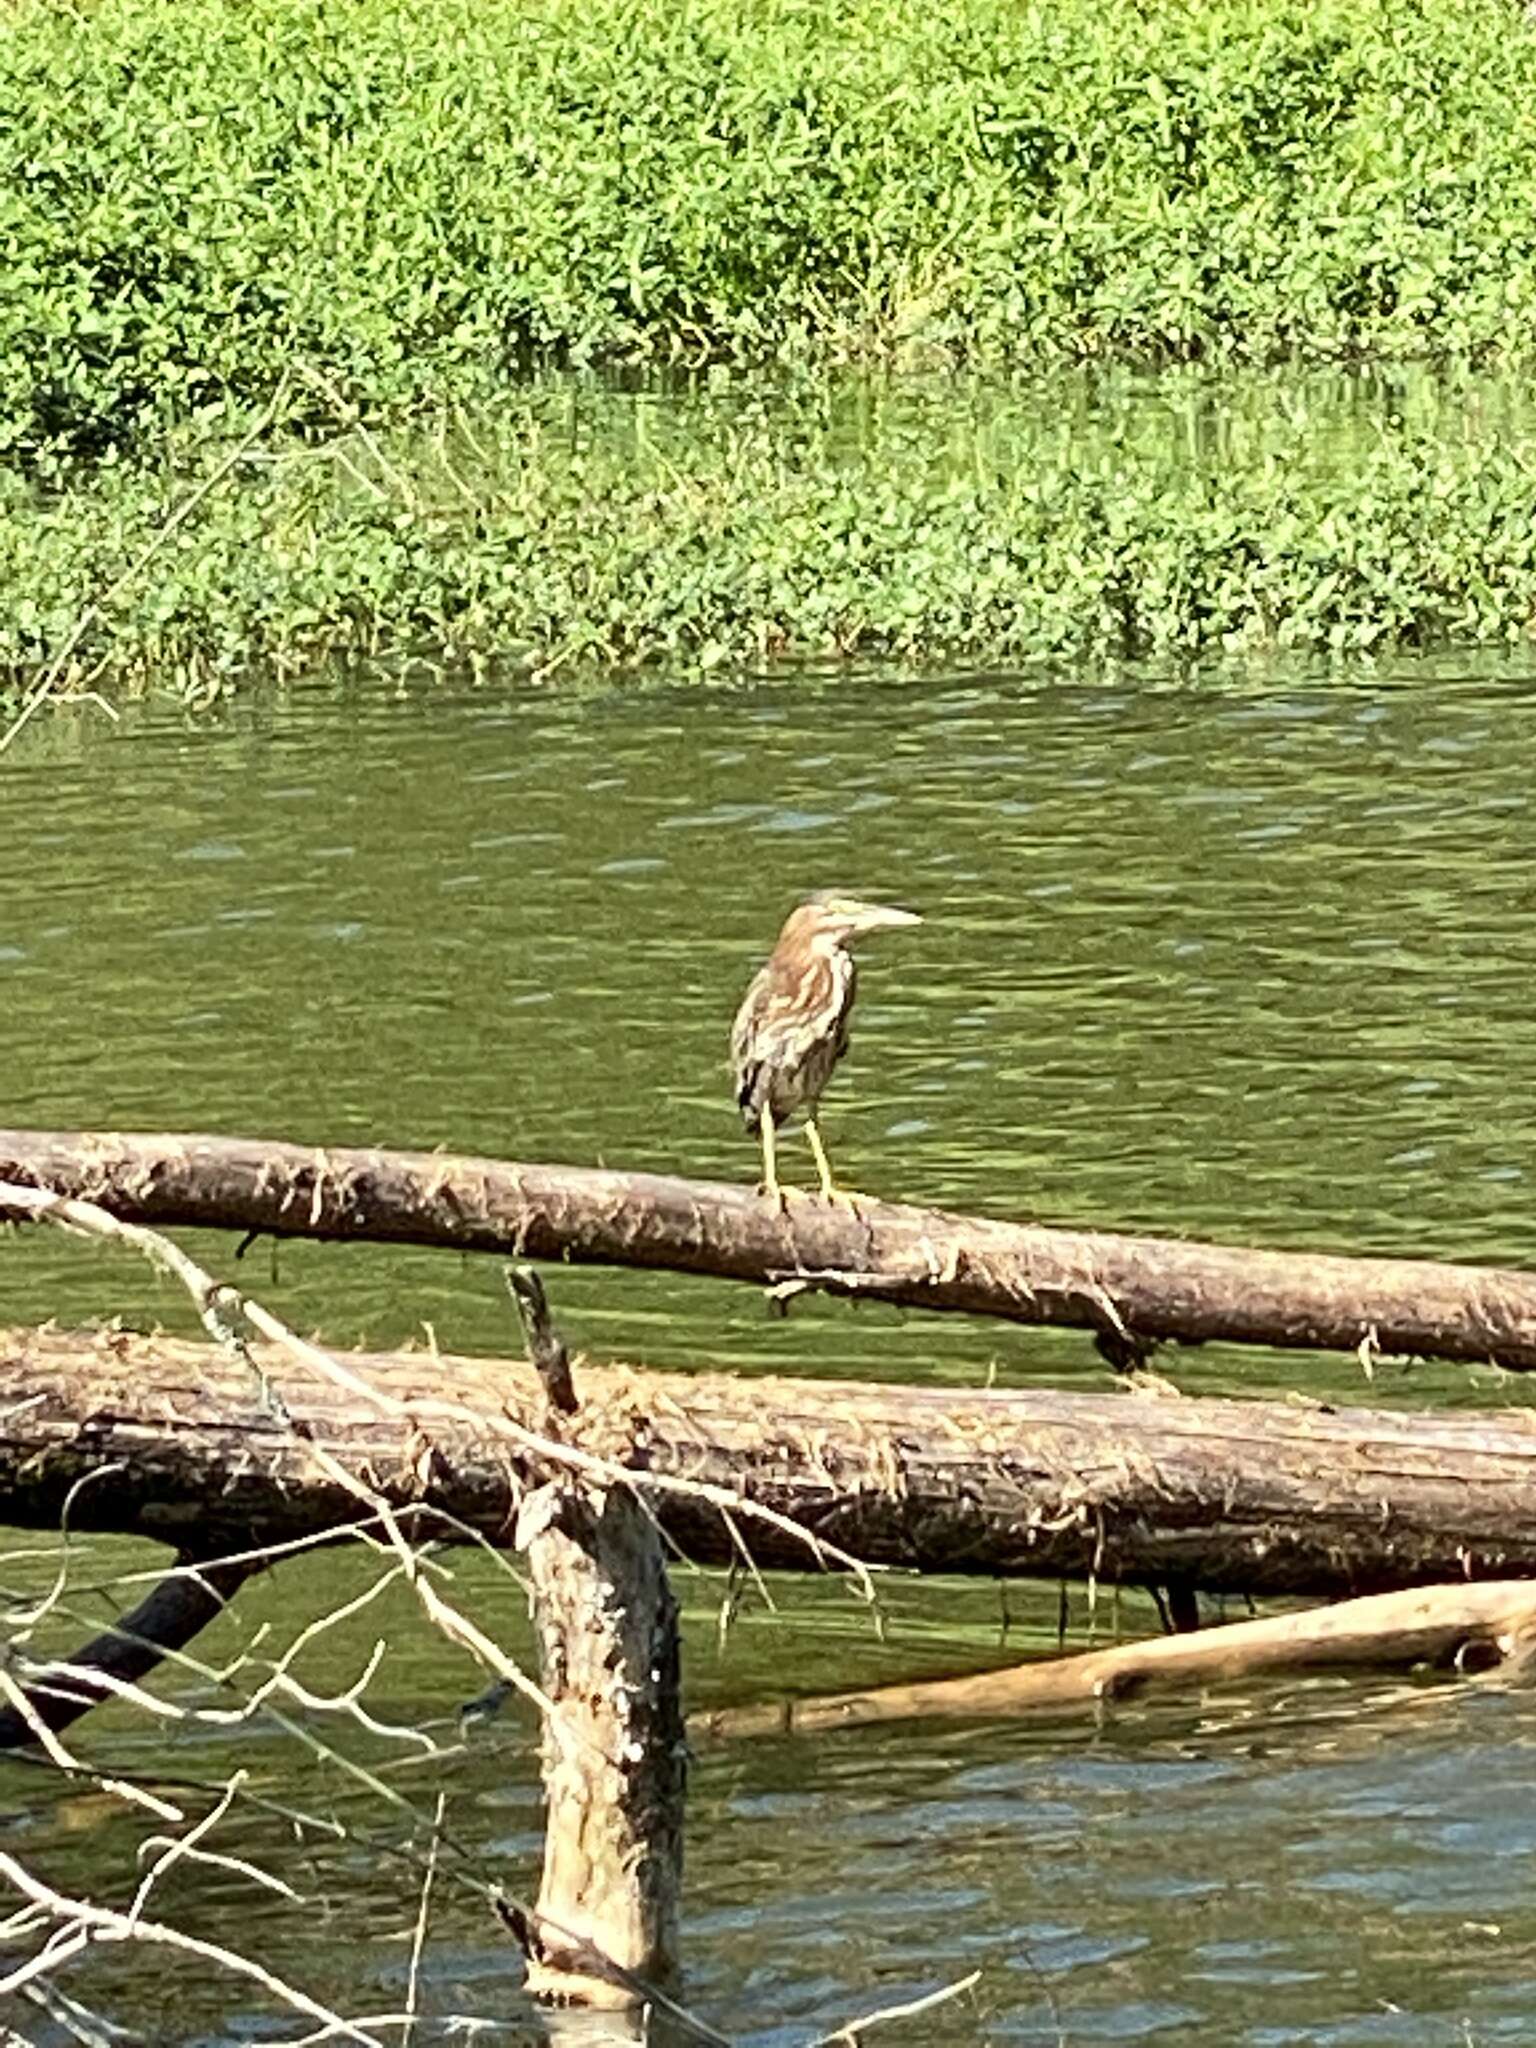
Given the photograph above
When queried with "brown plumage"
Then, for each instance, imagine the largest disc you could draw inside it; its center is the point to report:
(792, 1027)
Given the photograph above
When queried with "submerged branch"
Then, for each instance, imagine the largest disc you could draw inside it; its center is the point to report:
(1470, 1629)
(169, 1617)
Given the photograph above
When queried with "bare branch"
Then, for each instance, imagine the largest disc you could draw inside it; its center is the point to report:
(181, 1605)
(79, 1924)
(419, 1933)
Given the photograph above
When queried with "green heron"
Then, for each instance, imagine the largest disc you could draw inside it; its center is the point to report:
(792, 1027)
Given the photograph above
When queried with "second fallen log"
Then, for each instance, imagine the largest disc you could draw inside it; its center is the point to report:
(1264, 1497)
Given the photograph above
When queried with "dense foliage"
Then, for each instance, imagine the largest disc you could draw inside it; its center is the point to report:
(574, 529)
(383, 218)
(413, 196)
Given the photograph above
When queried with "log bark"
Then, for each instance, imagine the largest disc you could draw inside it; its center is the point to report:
(1128, 1290)
(1263, 1497)
(1476, 1630)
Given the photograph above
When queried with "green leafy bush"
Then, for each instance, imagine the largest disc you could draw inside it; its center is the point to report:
(415, 197)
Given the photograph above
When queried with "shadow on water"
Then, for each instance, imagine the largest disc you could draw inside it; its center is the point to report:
(1249, 963)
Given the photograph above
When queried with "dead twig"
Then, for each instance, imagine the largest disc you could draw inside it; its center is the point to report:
(852, 2034)
(419, 1932)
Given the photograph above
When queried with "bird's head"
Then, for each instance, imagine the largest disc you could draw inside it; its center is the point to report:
(833, 916)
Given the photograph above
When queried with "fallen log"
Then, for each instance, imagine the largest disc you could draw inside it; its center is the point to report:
(1473, 1630)
(1129, 1290)
(179, 1442)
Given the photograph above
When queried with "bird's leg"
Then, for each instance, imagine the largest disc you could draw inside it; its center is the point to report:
(830, 1190)
(771, 1186)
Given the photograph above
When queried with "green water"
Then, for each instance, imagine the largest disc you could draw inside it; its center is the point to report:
(1250, 963)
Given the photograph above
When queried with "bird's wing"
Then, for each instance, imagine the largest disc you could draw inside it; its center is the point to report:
(848, 989)
(783, 1018)
(753, 1023)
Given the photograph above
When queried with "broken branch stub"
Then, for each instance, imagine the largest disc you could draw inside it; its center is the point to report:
(614, 1746)
(547, 1350)
(614, 1755)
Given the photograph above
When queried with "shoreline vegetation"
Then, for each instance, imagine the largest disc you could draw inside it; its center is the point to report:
(622, 335)
(574, 531)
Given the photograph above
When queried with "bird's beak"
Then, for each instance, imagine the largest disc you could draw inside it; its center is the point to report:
(878, 917)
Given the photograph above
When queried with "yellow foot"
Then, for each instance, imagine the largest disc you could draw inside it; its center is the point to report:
(830, 1191)
(844, 1197)
(775, 1192)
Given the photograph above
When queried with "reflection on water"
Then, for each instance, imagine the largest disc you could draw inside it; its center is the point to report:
(1250, 964)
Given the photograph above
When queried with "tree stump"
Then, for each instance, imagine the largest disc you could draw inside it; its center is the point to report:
(614, 1749)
